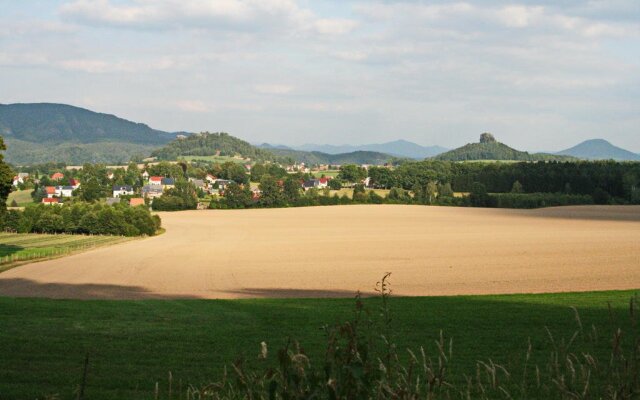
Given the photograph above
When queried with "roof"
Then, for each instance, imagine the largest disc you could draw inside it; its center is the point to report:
(136, 201)
(168, 181)
(57, 175)
(155, 178)
(74, 182)
(310, 183)
(151, 188)
(125, 188)
(50, 190)
(50, 200)
(64, 187)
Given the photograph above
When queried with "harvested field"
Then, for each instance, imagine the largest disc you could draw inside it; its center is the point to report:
(333, 251)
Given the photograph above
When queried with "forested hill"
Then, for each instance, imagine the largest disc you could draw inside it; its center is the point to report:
(490, 149)
(207, 144)
(41, 132)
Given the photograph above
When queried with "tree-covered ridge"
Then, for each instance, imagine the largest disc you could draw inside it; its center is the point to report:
(6, 177)
(57, 123)
(490, 149)
(208, 144)
(45, 132)
(317, 157)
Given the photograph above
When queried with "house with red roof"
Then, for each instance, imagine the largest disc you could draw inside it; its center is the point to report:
(136, 201)
(50, 191)
(74, 183)
(50, 200)
(57, 176)
(155, 180)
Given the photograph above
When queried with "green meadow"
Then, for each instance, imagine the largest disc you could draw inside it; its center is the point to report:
(132, 345)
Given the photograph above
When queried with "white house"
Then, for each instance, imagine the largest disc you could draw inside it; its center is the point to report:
(155, 180)
(122, 191)
(17, 180)
(64, 191)
(145, 175)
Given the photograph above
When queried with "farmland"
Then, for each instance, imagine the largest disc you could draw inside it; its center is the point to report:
(333, 251)
(17, 249)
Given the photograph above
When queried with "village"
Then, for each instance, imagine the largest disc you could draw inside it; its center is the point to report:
(136, 186)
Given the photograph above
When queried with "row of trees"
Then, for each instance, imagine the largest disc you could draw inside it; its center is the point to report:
(82, 218)
(604, 180)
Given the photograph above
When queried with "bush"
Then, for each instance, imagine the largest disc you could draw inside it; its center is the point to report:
(537, 200)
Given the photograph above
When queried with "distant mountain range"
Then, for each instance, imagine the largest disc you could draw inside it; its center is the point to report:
(42, 132)
(398, 148)
(600, 149)
(490, 149)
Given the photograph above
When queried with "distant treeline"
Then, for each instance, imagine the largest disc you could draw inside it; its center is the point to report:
(83, 218)
(605, 181)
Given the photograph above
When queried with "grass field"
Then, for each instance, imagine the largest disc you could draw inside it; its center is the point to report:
(22, 197)
(134, 344)
(20, 248)
(215, 159)
(332, 173)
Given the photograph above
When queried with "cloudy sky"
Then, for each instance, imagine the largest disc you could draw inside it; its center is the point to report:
(539, 75)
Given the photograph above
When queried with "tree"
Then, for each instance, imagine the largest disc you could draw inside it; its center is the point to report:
(271, 194)
(359, 194)
(6, 179)
(352, 173)
(236, 196)
(430, 192)
(335, 184)
(445, 190)
(91, 190)
(517, 187)
(291, 190)
(479, 197)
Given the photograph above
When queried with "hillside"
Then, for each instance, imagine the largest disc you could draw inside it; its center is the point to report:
(317, 157)
(42, 132)
(600, 149)
(490, 149)
(398, 148)
(207, 144)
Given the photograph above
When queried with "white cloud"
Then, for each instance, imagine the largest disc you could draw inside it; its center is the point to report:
(193, 106)
(272, 88)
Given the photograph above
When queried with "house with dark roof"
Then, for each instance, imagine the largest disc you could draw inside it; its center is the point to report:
(122, 191)
(151, 191)
(168, 183)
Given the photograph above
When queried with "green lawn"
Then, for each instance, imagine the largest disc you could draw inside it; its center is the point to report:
(16, 248)
(22, 197)
(332, 173)
(134, 344)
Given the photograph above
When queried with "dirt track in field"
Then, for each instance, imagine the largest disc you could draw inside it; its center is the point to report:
(335, 251)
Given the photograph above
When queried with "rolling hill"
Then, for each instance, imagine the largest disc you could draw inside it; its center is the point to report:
(600, 149)
(490, 149)
(398, 148)
(317, 157)
(41, 132)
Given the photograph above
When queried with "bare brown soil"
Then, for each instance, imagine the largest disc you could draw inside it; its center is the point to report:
(334, 251)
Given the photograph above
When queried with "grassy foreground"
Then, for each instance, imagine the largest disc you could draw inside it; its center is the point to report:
(18, 248)
(134, 344)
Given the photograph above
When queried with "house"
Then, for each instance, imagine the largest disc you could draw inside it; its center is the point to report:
(122, 191)
(50, 200)
(222, 183)
(50, 191)
(57, 176)
(168, 183)
(323, 183)
(198, 183)
(23, 175)
(145, 175)
(210, 178)
(310, 184)
(64, 191)
(155, 180)
(74, 183)
(112, 200)
(110, 175)
(247, 167)
(152, 191)
(136, 201)
(17, 180)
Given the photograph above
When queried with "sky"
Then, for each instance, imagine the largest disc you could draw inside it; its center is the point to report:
(539, 75)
